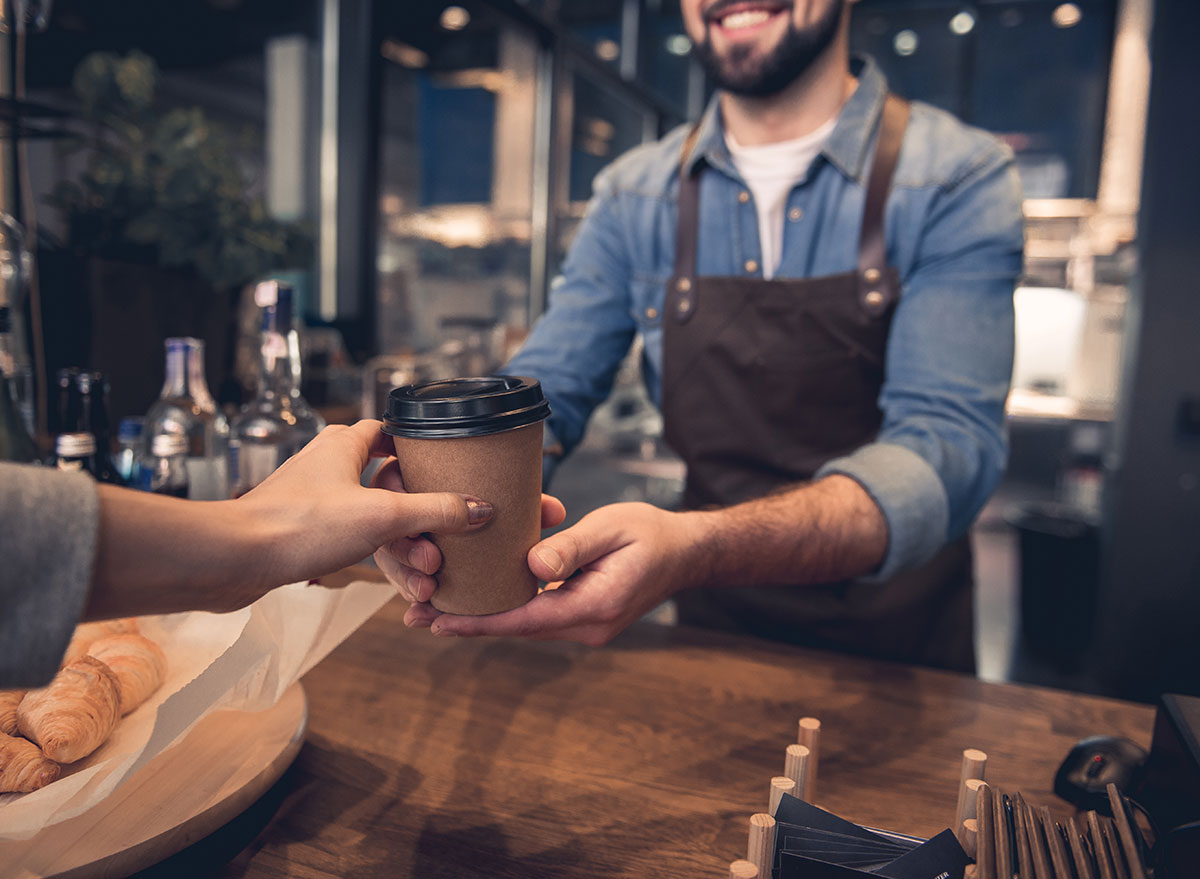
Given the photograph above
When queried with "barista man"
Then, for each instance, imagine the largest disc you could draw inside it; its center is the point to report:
(822, 274)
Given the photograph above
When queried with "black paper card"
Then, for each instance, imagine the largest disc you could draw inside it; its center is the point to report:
(811, 843)
(941, 856)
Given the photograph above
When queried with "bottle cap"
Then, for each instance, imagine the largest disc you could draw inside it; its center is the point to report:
(463, 407)
(167, 445)
(183, 342)
(75, 445)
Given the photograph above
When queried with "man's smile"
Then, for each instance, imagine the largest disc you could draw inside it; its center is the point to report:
(740, 18)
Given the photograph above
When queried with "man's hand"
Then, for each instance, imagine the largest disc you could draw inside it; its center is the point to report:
(411, 561)
(623, 560)
(616, 564)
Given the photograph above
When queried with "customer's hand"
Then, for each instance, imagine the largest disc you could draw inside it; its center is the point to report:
(158, 554)
(616, 564)
(329, 520)
(411, 561)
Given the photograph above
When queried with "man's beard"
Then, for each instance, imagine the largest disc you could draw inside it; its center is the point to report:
(738, 72)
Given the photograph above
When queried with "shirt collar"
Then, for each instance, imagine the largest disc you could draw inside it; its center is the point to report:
(848, 144)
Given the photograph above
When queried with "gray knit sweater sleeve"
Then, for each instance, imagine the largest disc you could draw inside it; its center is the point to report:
(48, 526)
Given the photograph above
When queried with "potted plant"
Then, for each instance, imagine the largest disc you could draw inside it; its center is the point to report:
(167, 225)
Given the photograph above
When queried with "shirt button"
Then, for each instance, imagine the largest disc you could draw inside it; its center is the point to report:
(874, 299)
(651, 313)
(743, 196)
(683, 285)
(751, 266)
(795, 214)
(872, 275)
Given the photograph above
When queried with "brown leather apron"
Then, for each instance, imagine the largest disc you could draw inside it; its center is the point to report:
(765, 381)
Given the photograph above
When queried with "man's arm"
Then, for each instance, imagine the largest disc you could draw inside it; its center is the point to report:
(941, 449)
(821, 532)
(577, 346)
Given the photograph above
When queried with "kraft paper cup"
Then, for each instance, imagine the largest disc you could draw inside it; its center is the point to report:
(478, 436)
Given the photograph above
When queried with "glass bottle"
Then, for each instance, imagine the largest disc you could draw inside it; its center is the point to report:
(16, 443)
(91, 416)
(129, 449)
(18, 377)
(15, 265)
(76, 450)
(165, 469)
(278, 422)
(185, 407)
(65, 409)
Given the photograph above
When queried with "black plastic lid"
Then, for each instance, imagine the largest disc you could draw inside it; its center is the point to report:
(462, 407)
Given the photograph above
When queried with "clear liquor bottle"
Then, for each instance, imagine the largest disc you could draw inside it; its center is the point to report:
(76, 451)
(164, 469)
(278, 422)
(186, 408)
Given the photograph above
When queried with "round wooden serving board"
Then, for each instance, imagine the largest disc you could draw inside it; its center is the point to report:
(226, 763)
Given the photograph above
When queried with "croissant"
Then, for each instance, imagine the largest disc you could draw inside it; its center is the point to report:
(73, 715)
(9, 699)
(23, 768)
(87, 633)
(138, 663)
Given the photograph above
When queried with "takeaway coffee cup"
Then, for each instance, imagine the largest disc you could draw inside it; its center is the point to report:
(482, 437)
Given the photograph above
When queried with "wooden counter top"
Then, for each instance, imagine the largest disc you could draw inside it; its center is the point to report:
(441, 757)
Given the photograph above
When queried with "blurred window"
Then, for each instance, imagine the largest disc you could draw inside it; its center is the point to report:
(1034, 72)
(668, 56)
(455, 186)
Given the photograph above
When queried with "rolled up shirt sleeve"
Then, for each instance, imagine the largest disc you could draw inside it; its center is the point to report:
(50, 523)
(942, 447)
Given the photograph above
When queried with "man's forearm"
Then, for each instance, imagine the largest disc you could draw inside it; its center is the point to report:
(815, 533)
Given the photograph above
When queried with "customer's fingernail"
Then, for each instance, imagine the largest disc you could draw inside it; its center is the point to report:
(443, 632)
(549, 557)
(478, 511)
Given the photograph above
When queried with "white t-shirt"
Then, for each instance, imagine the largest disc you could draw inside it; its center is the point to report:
(770, 171)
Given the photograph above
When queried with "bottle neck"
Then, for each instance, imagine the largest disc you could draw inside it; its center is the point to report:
(280, 363)
(185, 376)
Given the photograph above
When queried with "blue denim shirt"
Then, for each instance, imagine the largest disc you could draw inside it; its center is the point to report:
(954, 232)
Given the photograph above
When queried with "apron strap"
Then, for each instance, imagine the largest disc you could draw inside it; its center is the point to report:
(877, 287)
(683, 302)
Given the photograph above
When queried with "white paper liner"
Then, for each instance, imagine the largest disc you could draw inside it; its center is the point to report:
(241, 661)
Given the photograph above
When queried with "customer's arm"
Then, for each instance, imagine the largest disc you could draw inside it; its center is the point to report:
(79, 551)
(48, 524)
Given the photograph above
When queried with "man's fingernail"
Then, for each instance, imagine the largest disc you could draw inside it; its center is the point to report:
(549, 557)
(443, 632)
(478, 511)
(413, 586)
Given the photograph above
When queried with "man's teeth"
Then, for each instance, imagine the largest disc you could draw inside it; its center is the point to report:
(744, 19)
